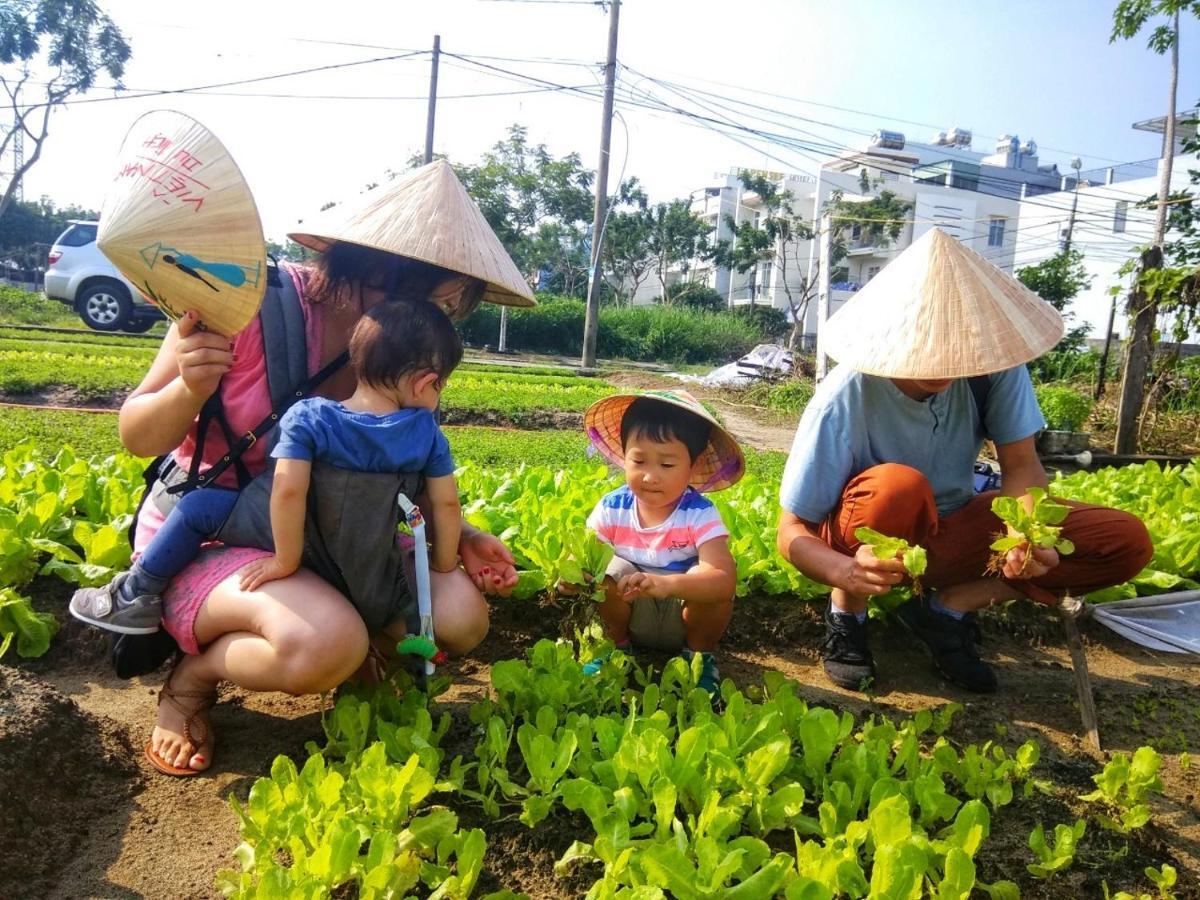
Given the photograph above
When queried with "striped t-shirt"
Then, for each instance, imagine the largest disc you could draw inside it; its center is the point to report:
(673, 545)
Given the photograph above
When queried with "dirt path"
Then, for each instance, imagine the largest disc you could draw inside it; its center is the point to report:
(114, 828)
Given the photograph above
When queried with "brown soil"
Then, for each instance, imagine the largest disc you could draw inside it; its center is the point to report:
(85, 816)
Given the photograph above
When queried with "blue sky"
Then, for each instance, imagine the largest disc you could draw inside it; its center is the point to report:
(1041, 70)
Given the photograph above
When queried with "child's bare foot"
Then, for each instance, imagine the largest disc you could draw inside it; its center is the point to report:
(182, 741)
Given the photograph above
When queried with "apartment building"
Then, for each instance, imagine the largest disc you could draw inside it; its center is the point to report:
(1107, 225)
(973, 195)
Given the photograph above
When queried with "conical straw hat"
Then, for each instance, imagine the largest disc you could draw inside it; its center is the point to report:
(940, 310)
(428, 215)
(180, 223)
(721, 463)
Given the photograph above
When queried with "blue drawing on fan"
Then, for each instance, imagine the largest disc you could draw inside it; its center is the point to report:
(233, 274)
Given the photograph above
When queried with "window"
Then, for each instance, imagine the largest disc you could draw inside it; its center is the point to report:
(1120, 214)
(872, 272)
(77, 236)
(996, 231)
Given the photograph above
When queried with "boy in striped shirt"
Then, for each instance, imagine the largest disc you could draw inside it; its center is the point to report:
(671, 581)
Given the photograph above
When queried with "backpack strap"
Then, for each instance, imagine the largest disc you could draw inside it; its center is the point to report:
(285, 353)
(285, 347)
(981, 386)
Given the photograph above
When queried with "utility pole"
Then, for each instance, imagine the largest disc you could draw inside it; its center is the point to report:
(591, 322)
(1139, 349)
(1102, 375)
(1076, 164)
(433, 69)
(825, 236)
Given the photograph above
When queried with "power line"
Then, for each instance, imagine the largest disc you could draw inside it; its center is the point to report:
(255, 80)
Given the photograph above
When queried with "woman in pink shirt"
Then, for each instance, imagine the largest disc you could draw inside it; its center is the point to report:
(298, 634)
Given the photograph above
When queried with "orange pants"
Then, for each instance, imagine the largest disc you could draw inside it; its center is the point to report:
(1110, 546)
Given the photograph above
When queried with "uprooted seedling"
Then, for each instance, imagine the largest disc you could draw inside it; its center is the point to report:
(884, 547)
(1038, 527)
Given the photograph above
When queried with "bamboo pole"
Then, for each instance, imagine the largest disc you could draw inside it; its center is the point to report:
(1068, 610)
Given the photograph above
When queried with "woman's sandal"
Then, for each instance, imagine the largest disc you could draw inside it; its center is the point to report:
(194, 726)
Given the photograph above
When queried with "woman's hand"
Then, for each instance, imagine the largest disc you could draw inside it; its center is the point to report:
(263, 570)
(1020, 563)
(489, 563)
(865, 576)
(202, 356)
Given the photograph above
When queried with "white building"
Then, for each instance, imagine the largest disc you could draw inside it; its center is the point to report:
(974, 196)
(1109, 227)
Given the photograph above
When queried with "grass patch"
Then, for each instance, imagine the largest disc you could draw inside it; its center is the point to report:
(95, 434)
(21, 307)
(91, 375)
(89, 434)
(76, 336)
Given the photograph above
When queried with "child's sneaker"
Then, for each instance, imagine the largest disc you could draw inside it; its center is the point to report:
(596, 663)
(710, 675)
(107, 608)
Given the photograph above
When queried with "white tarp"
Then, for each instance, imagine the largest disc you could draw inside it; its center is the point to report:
(764, 361)
(1168, 622)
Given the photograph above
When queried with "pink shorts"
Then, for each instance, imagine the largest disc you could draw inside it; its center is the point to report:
(189, 589)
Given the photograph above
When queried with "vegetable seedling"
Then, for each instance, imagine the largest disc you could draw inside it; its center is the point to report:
(884, 547)
(1039, 527)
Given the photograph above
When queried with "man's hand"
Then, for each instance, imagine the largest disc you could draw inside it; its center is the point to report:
(643, 584)
(263, 570)
(1019, 563)
(488, 562)
(865, 576)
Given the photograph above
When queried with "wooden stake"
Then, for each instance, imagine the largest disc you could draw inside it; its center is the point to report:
(1068, 610)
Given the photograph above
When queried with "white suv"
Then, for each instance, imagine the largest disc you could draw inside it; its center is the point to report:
(81, 276)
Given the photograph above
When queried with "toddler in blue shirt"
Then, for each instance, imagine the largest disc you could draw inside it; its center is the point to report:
(402, 352)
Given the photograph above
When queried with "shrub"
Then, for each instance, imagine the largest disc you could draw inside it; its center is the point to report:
(670, 334)
(1058, 366)
(703, 297)
(772, 322)
(789, 396)
(1065, 408)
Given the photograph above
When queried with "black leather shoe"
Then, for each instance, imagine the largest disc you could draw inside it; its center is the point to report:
(951, 641)
(847, 658)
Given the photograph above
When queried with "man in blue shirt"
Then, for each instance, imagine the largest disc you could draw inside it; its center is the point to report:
(932, 356)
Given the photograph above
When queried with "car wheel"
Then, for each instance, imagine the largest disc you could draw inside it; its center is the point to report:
(105, 306)
(140, 326)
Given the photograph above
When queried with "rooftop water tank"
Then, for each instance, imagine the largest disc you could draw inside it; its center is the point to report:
(888, 140)
(1029, 148)
(1007, 143)
(939, 139)
(959, 137)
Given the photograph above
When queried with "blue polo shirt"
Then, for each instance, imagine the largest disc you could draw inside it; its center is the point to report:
(322, 430)
(855, 421)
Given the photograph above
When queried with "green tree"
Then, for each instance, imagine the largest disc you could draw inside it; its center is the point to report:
(51, 50)
(777, 238)
(29, 228)
(1058, 280)
(678, 240)
(1129, 18)
(538, 205)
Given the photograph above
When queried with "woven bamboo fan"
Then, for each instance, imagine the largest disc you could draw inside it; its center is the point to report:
(180, 223)
(940, 310)
(428, 215)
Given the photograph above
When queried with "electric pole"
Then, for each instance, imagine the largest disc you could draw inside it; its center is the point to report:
(591, 320)
(1076, 164)
(825, 256)
(433, 72)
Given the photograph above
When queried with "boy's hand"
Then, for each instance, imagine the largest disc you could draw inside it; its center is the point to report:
(263, 570)
(643, 584)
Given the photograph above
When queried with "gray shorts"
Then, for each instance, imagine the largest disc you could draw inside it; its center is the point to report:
(655, 623)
